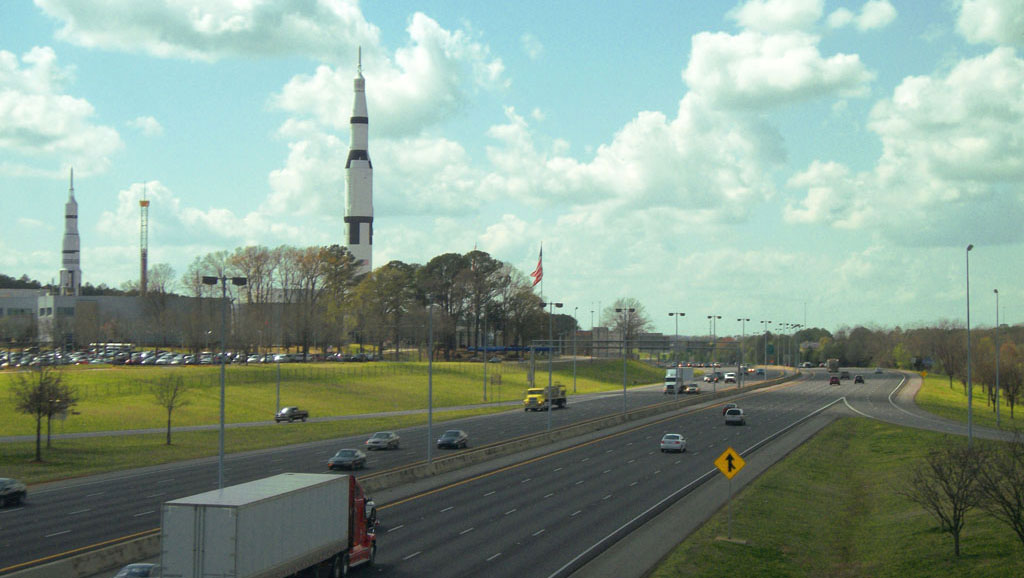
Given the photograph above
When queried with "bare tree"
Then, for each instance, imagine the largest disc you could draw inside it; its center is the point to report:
(947, 486)
(42, 393)
(628, 317)
(1001, 482)
(170, 391)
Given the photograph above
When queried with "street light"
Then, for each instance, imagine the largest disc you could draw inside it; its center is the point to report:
(739, 364)
(712, 324)
(575, 330)
(675, 342)
(970, 388)
(625, 339)
(237, 282)
(430, 381)
(551, 317)
(766, 324)
(996, 291)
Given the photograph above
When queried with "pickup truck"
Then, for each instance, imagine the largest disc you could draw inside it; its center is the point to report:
(290, 414)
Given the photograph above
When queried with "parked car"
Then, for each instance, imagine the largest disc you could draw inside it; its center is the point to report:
(139, 570)
(673, 442)
(858, 379)
(290, 414)
(383, 440)
(347, 459)
(735, 416)
(12, 492)
(453, 438)
(833, 380)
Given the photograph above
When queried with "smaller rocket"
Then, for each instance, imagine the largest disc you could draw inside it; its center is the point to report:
(359, 180)
(71, 274)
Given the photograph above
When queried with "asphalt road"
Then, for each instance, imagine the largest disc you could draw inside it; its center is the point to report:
(63, 518)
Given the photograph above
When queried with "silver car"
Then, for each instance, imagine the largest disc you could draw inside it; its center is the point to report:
(383, 440)
(735, 416)
(673, 442)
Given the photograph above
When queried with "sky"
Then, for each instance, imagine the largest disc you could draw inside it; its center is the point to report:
(807, 162)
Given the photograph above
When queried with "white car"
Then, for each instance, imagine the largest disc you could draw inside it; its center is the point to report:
(730, 377)
(734, 416)
(673, 442)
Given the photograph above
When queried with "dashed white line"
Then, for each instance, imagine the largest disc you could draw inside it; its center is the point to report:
(558, 469)
(606, 471)
(466, 531)
(632, 484)
(58, 533)
(156, 495)
(579, 482)
(494, 556)
(549, 495)
(538, 532)
(585, 459)
(576, 513)
(511, 511)
(607, 497)
(490, 492)
(413, 555)
(146, 513)
(76, 512)
(398, 527)
(448, 508)
(525, 480)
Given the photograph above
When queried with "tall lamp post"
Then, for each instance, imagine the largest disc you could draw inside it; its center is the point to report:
(430, 381)
(675, 342)
(550, 305)
(575, 330)
(713, 326)
(739, 364)
(766, 324)
(996, 291)
(970, 387)
(625, 348)
(237, 282)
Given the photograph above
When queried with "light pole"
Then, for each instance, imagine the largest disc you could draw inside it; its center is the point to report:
(766, 324)
(970, 388)
(675, 342)
(996, 291)
(485, 354)
(430, 381)
(551, 321)
(739, 363)
(237, 282)
(712, 323)
(575, 330)
(625, 343)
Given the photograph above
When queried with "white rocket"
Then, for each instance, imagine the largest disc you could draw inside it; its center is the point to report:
(359, 180)
(71, 274)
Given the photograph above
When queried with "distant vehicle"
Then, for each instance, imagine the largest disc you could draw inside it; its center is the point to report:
(383, 440)
(692, 388)
(858, 379)
(760, 371)
(734, 416)
(834, 380)
(347, 459)
(844, 375)
(676, 376)
(138, 570)
(542, 398)
(878, 370)
(290, 414)
(494, 360)
(673, 442)
(833, 364)
(669, 388)
(727, 407)
(453, 438)
(805, 364)
(12, 492)
(730, 377)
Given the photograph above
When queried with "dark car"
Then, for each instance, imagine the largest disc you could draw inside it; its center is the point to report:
(138, 570)
(844, 375)
(453, 438)
(383, 440)
(834, 380)
(347, 459)
(727, 407)
(11, 492)
(290, 414)
(858, 379)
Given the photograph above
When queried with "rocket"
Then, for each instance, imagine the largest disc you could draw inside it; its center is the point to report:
(359, 180)
(71, 274)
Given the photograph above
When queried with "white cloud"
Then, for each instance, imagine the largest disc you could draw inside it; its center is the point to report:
(214, 29)
(753, 70)
(778, 15)
(531, 46)
(147, 125)
(874, 14)
(40, 123)
(992, 21)
(430, 80)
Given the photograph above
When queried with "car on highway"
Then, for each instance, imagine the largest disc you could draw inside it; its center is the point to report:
(691, 389)
(290, 414)
(728, 406)
(858, 379)
(730, 377)
(12, 492)
(453, 438)
(138, 570)
(735, 416)
(347, 459)
(760, 371)
(834, 380)
(386, 440)
(844, 375)
(878, 370)
(673, 442)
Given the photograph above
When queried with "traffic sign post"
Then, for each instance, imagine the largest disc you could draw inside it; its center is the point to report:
(730, 463)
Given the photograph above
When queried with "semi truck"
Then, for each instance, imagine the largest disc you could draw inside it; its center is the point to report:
(676, 378)
(270, 528)
(541, 398)
(833, 365)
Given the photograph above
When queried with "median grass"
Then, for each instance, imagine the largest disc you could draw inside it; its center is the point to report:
(120, 398)
(936, 396)
(832, 509)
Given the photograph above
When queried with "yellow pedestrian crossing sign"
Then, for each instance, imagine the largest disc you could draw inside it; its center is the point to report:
(729, 463)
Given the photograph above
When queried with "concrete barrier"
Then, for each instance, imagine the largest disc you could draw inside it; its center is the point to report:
(117, 555)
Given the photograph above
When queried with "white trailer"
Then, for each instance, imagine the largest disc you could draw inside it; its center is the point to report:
(676, 378)
(269, 528)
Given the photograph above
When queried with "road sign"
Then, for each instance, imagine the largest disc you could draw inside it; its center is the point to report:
(729, 463)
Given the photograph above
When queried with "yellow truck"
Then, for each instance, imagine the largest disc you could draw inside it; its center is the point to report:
(541, 398)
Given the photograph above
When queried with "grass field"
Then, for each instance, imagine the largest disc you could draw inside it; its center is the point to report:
(119, 398)
(937, 397)
(831, 509)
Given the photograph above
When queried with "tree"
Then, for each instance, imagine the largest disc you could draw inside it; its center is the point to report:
(170, 391)
(1001, 481)
(629, 324)
(42, 393)
(947, 486)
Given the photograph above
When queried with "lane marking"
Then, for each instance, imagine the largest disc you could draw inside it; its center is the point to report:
(413, 555)
(466, 531)
(398, 527)
(58, 533)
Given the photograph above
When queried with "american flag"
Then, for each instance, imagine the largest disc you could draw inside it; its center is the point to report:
(538, 273)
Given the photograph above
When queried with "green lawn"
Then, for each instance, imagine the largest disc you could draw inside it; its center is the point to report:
(937, 397)
(831, 509)
(119, 398)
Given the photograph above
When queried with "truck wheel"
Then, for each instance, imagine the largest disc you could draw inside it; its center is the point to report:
(339, 567)
(373, 555)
